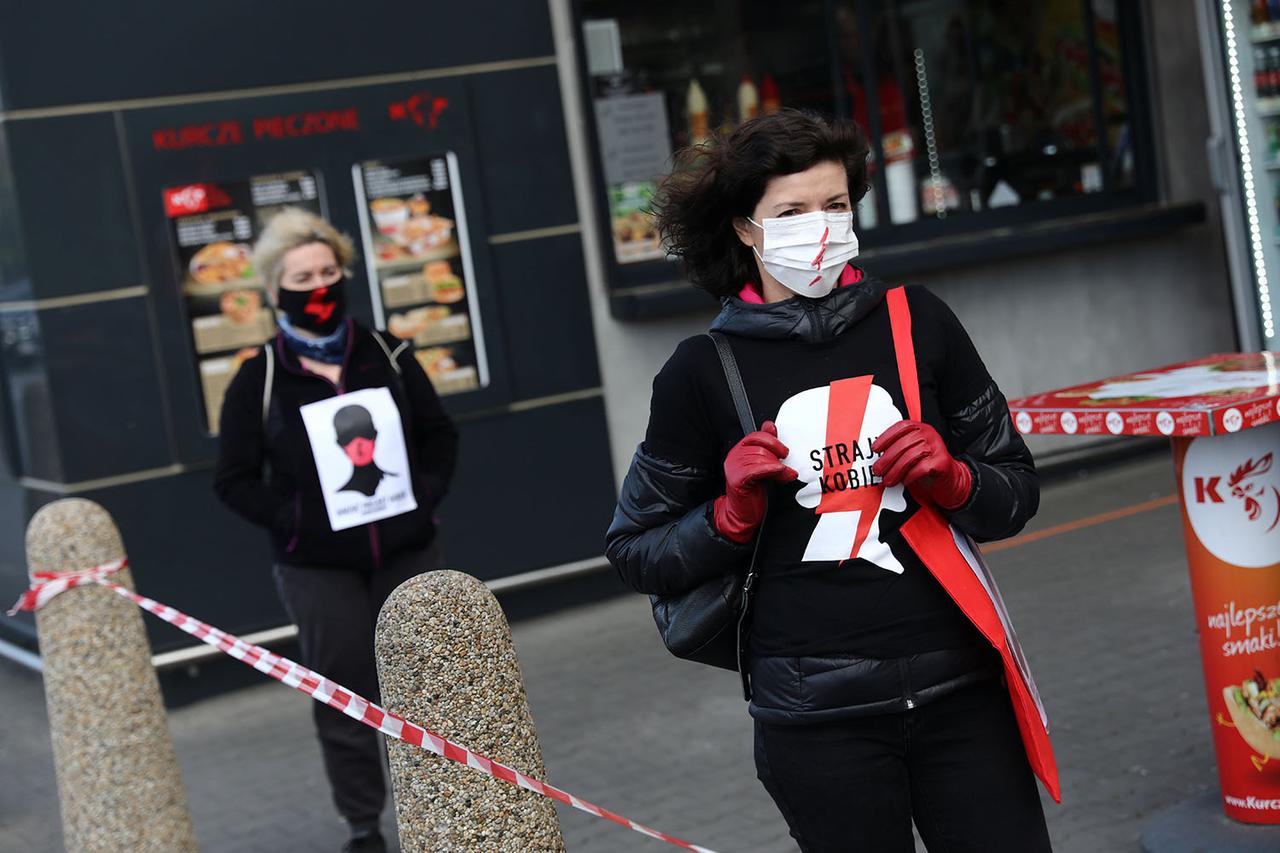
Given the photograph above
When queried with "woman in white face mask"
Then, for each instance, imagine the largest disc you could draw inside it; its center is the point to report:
(804, 236)
(883, 675)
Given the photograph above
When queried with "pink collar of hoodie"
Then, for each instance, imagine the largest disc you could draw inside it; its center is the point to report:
(751, 294)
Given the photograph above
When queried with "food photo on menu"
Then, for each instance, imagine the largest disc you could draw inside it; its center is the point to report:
(416, 258)
(434, 323)
(407, 229)
(225, 298)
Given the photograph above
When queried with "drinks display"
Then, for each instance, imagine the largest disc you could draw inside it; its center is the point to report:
(696, 112)
(748, 99)
(1263, 12)
(1266, 72)
(1262, 128)
(770, 101)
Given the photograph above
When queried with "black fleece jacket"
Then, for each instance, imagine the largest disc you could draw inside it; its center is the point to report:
(846, 629)
(270, 479)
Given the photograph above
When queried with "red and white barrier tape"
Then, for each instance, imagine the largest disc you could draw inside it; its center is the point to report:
(47, 585)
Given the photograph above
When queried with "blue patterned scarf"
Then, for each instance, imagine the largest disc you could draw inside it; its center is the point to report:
(328, 350)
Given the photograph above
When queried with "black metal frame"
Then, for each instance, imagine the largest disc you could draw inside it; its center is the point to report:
(631, 285)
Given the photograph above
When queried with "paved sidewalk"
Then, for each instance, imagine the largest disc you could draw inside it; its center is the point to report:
(1104, 613)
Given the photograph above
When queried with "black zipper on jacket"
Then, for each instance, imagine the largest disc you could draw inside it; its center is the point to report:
(909, 699)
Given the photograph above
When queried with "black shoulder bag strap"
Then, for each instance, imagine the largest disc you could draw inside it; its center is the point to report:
(747, 421)
(736, 389)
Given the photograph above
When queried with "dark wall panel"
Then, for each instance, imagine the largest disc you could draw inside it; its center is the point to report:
(70, 185)
(519, 128)
(108, 407)
(15, 279)
(13, 561)
(148, 48)
(547, 316)
(31, 439)
(533, 489)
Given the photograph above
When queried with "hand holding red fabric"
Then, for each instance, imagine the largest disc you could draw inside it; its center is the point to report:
(758, 457)
(914, 454)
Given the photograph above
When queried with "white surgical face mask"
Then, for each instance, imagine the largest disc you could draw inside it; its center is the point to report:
(807, 253)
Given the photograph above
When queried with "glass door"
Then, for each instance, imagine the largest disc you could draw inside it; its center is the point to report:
(1249, 53)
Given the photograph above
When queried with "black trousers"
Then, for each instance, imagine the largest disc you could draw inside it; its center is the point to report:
(956, 766)
(335, 611)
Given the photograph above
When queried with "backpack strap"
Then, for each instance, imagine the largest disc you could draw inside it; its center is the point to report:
(391, 354)
(268, 350)
(904, 349)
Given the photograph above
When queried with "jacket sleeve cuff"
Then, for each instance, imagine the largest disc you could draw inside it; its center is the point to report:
(975, 485)
(995, 508)
(709, 516)
(705, 552)
(970, 515)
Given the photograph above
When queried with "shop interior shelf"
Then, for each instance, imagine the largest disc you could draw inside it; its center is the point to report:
(1268, 107)
(1269, 31)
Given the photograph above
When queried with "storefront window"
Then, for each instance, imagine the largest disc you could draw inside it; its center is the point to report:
(979, 106)
(666, 74)
(981, 113)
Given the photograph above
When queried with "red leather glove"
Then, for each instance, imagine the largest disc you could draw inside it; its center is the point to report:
(758, 457)
(913, 453)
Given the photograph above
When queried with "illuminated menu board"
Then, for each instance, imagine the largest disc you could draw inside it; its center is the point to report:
(213, 227)
(413, 224)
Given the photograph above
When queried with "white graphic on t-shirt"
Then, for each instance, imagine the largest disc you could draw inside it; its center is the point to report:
(829, 432)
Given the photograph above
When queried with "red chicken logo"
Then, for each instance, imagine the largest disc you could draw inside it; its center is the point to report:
(1254, 494)
(422, 108)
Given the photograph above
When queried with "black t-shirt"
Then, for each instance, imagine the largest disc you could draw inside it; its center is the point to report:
(836, 577)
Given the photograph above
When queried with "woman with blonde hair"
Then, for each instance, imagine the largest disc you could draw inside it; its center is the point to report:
(333, 577)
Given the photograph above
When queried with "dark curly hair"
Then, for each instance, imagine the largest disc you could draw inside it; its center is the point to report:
(724, 178)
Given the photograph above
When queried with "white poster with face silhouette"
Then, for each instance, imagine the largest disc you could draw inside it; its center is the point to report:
(358, 445)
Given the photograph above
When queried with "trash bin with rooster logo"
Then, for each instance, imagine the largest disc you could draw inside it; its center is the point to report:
(1223, 415)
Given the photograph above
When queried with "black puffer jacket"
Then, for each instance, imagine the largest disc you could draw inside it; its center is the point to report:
(286, 498)
(662, 539)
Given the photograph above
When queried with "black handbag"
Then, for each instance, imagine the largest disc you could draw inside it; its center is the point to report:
(709, 622)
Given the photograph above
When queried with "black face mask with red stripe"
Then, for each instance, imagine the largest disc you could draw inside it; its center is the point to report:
(318, 311)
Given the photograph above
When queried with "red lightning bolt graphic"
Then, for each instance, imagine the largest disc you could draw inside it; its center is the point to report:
(317, 307)
(845, 413)
(816, 263)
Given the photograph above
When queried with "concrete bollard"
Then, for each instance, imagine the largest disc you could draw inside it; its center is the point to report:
(119, 785)
(446, 661)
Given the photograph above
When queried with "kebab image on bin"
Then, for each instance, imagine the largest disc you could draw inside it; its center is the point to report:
(1254, 707)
